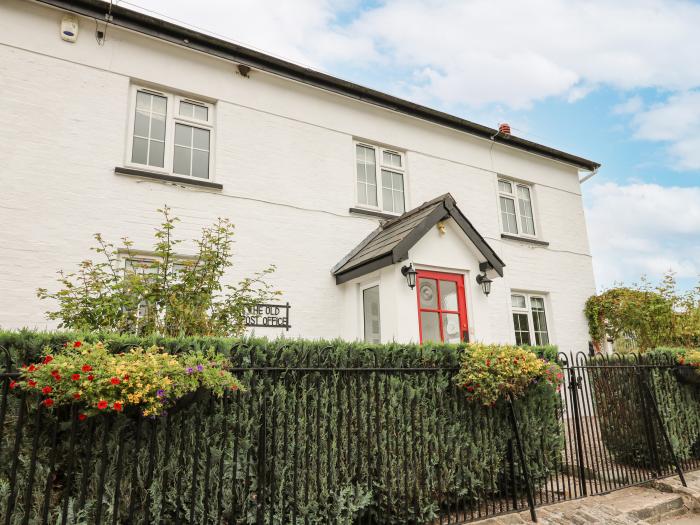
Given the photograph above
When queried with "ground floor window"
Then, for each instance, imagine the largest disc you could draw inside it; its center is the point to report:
(529, 319)
(370, 310)
(442, 311)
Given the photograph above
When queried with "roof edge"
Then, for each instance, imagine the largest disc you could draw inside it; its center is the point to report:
(197, 41)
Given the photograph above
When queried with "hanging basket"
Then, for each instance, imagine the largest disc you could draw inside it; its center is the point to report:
(188, 400)
(689, 375)
(181, 404)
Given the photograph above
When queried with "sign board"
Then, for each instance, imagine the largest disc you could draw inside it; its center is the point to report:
(268, 316)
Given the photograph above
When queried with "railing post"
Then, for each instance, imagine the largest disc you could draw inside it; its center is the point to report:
(574, 386)
(655, 408)
(262, 459)
(521, 453)
(648, 426)
(511, 465)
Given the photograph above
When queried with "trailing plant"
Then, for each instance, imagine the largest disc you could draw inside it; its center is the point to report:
(160, 293)
(645, 316)
(96, 380)
(491, 372)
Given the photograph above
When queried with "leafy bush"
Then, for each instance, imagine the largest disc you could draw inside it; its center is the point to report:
(646, 316)
(89, 375)
(159, 293)
(492, 372)
(391, 447)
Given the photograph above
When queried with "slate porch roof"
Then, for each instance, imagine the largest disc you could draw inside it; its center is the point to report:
(390, 242)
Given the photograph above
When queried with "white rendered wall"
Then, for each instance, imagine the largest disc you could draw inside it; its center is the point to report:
(284, 154)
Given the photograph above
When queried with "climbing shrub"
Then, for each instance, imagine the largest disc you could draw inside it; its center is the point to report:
(645, 316)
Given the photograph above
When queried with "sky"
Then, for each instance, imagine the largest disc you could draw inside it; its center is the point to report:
(614, 81)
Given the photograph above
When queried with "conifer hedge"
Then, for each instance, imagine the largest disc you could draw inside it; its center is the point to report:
(395, 447)
(624, 414)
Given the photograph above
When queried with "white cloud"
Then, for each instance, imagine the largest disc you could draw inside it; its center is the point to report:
(676, 121)
(473, 53)
(630, 106)
(643, 229)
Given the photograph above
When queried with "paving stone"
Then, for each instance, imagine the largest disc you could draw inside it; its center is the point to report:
(661, 502)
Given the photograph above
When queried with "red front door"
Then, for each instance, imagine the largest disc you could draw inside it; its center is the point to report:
(442, 309)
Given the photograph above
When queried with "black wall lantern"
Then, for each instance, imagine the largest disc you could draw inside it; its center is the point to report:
(410, 274)
(485, 283)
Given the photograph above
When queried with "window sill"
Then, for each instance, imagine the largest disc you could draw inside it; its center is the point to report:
(372, 213)
(167, 178)
(524, 239)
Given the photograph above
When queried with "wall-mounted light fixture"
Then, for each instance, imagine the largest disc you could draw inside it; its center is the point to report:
(409, 273)
(483, 280)
(485, 283)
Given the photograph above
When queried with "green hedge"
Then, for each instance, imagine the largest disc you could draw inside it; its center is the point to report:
(617, 394)
(26, 346)
(395, 447)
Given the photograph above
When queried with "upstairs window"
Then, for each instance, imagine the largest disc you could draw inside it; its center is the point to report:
(171, 134)
(380, 175)
(515, 205)
(529, 319)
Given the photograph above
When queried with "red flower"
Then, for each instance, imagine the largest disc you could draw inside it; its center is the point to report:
(54, 372)
(13, 384)
(470, 388)
(46, 390)
(86, 368)
(117, 406)
(57, 377)
(76, 395)
(91, 377)
(126, 378)
(82, 417)
(102, 404)
(65, 344)
(75, 377)
(31, 368)
(48, 359)
(115, 381)
(488, 362)
(48, 402)
(77, 344)
(31, 383)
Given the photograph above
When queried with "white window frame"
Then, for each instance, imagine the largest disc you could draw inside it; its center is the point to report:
(172, 117)
(362, 288)
(530, 318)
(516, 205)
(379, 166)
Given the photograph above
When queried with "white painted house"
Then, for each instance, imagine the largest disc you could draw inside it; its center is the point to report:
(109, 114)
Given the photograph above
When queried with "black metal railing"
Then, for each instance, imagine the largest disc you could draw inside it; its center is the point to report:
(347, 445)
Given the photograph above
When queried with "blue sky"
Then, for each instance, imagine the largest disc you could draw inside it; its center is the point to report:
(617, 82)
